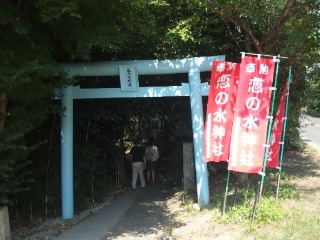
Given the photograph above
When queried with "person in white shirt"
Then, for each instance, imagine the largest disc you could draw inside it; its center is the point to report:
(152, 156)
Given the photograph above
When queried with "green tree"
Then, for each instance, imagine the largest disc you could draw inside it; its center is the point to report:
(36, 36)
(287, 28)
(313, 92)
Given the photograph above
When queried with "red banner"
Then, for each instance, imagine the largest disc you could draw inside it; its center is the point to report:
(251, 115)
(276, 133)
(219, 116)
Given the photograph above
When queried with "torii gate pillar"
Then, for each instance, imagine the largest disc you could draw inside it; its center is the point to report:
(197, 127)
(67, 154)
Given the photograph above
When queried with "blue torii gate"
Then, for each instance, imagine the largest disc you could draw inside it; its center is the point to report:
(192, 66)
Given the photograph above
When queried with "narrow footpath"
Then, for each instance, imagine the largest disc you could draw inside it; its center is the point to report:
(134, 215)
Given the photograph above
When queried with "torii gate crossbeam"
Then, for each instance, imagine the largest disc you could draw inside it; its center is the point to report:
(192, 66)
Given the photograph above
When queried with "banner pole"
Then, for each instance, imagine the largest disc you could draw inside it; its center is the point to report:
(225, 194)
(283, 132)
(269, 127)
(235, 191)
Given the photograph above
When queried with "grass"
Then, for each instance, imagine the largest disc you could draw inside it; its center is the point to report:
(295, 215)
(300, 226)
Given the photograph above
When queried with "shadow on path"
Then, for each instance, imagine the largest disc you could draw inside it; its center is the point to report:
(300, 164)
(146, 218)
(135, 214)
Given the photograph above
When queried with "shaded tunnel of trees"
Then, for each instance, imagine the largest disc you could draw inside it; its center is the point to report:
(103, 130)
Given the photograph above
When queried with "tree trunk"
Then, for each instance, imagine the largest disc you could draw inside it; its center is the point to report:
(3, 109)
(120, 165)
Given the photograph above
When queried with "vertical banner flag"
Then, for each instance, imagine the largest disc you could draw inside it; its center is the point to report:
(219, 116)
(251, 115)
(276, 133)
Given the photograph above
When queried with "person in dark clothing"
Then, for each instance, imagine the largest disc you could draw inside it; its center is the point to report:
(137, 154)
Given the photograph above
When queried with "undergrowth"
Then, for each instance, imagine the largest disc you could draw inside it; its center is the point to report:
(243, 204)
(281, 213)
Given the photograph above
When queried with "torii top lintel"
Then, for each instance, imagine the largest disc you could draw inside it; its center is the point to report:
(144, 67)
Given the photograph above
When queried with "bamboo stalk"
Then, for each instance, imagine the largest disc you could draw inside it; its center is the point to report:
(30, 205)
(284, 125)
(48, 165)
(3, 109)
(92, 185)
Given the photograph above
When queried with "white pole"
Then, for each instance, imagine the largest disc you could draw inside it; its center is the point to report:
(67, 154)
(144, 67)
(198, 143)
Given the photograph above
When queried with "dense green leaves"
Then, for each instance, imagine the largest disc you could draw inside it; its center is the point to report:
(35, 36)
(52, 10)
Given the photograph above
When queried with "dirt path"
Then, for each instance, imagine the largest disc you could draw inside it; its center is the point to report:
(306, 176)
(146, 219)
